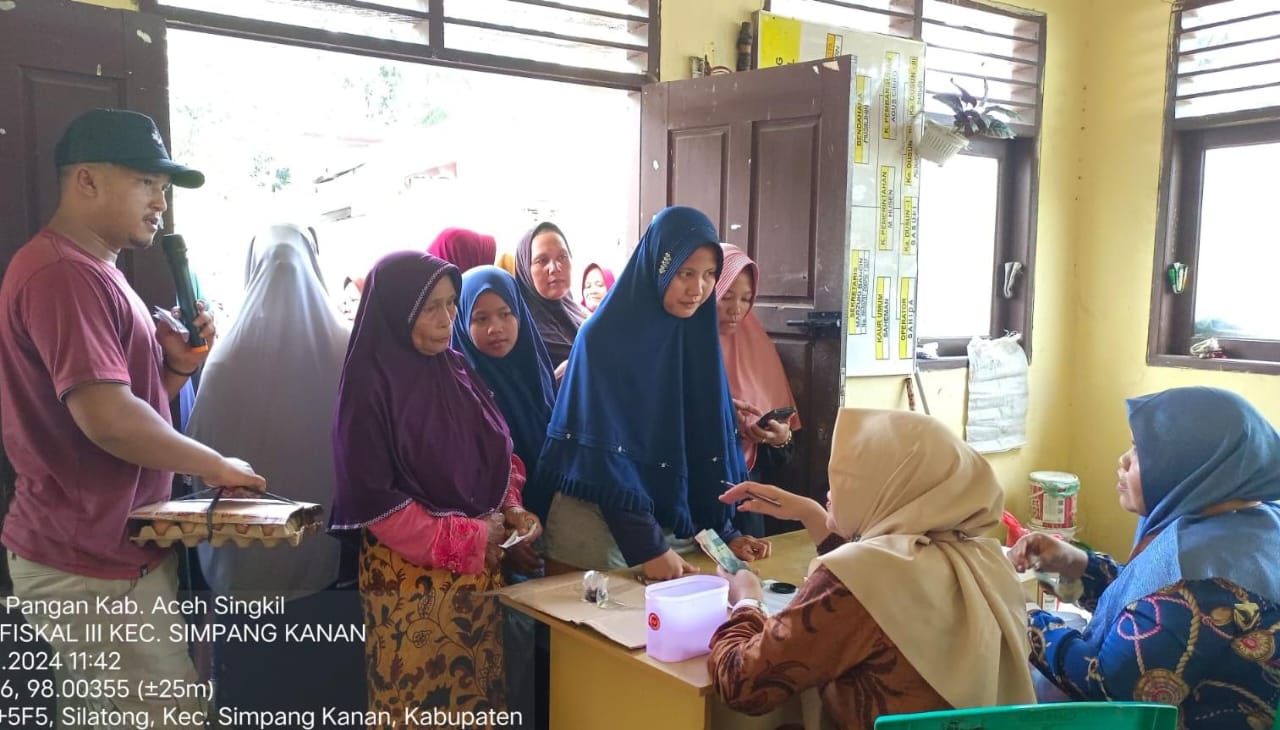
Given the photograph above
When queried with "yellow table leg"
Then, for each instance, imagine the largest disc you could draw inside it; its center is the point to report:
(592, 689)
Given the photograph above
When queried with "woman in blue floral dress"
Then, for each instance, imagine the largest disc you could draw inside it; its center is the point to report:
(1191, 620)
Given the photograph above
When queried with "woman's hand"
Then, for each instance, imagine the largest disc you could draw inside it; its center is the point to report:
(667, 566)
(517, 519)
(747, 416)
(743, 584)
(789, 506)
(750, 548)
(778, 433)
(495, 523)
(1048, 554)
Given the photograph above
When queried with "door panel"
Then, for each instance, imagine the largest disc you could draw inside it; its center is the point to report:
(694, 151)
(765, 155)
(782, 227)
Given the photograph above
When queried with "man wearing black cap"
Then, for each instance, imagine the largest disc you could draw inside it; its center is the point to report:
(86, 377)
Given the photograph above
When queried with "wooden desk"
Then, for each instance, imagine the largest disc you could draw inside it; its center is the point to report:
(598, 683)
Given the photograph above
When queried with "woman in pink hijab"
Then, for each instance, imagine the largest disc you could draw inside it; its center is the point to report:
(757, 381)
(464, 248)
(596, 282)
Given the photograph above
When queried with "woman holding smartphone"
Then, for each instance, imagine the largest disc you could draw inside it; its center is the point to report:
(761, 392)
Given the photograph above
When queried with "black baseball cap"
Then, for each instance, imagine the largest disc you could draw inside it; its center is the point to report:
(123, 138)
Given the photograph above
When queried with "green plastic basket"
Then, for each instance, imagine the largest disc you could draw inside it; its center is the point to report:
(1059, 716)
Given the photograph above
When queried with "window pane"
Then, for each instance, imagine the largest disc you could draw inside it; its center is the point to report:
(381, 155)
(1239, 259)
(957, 246)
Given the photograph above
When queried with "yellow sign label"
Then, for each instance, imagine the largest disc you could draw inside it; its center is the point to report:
(913, 86)
(779, 41)
(890, 98)
(910, 225)
(884, 290)
(834, 42)
(886, 190)
(859, 280)
(909, 161)
(862, 122)
(906, 318)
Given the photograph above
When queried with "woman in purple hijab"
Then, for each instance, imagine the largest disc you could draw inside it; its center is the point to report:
(427, 479)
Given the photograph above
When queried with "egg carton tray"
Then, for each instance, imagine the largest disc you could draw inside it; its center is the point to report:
(241, 521)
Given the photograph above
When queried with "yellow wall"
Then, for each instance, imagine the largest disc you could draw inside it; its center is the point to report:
(687, 24)
(1117, 212)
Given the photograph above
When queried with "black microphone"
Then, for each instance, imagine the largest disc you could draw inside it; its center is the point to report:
(175, 251)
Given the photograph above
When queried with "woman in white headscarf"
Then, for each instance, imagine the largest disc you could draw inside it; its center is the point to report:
(269, 390)
(908, 608)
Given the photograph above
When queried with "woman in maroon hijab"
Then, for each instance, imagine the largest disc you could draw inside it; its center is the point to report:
(464, 248)
(427, 480)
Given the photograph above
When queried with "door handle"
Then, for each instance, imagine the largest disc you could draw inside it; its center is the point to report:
(819, 325)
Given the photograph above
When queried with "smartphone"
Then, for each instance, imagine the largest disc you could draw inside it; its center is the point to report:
(711, 544)
(777, 414)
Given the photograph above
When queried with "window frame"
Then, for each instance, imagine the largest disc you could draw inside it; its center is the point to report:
(1171, 320)
(1018, 190)
(436, 51)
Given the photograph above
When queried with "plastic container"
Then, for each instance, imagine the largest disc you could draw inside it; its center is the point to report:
(683, 614)
(1053, 500)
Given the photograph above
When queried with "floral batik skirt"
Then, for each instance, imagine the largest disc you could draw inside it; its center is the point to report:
(433, 641)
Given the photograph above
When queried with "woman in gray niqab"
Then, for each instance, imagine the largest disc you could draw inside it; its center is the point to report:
(268, 390)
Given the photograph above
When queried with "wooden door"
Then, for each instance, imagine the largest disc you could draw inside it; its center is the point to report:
(57, 59)
(765, 154)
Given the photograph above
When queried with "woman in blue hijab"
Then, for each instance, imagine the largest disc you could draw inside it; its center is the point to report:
(496, 333)
(1191, 620)
(642, 437)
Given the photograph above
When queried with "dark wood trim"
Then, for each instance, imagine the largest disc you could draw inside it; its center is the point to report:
(869, 9)
(568, 7)
(306, 37)
(997, 79)
(1224, 69)
(1218, 364)
(1171, 328)
(1232, 90)
(996, 56)
(380, 9)
(655, 41)
(581, 40)
(1228, 119)
(434, 52)
(1031, 16)
(1160, 324)
(981, 31)
(1241, 19)
(1229, 44)
(435, 31)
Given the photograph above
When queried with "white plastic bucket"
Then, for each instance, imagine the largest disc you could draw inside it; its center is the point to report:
(1053, 500)
(682, 615)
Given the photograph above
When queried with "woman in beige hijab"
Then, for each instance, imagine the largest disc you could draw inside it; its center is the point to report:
(908, 608)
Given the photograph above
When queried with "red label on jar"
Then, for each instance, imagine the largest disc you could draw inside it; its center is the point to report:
(654, 623)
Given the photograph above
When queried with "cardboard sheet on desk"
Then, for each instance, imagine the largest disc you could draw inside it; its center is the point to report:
(621, 620)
